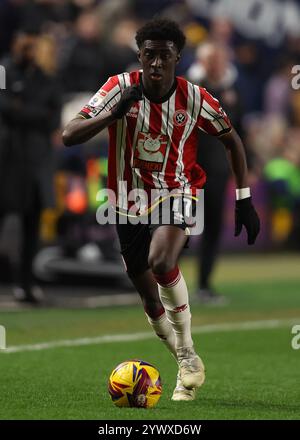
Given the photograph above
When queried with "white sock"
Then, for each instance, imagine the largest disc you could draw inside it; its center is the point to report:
(164, 331)
(175, 300)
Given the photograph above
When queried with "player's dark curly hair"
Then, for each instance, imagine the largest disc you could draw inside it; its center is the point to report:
(161, 29)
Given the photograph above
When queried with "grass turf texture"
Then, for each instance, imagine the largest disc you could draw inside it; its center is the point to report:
(251, 374)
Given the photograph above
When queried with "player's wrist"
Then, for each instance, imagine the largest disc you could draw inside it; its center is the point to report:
(242, 193)
(118, 111)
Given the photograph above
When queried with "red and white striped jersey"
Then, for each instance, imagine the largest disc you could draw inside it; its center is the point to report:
(154, 145)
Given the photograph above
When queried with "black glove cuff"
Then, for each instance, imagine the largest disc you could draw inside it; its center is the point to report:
(243, 202)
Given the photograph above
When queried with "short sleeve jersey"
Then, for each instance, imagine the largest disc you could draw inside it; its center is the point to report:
(154, 144)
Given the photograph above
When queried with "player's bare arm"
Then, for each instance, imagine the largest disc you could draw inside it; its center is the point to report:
(245, 213)
(81, 129)
(237, 157)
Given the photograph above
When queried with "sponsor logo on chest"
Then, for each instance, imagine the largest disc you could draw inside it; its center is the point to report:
(150, 152)
(134, 111)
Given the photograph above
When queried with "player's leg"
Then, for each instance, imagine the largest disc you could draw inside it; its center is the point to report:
(135, 245)
(214, 197)
(146, 286)
(135, 242)
(166, 245)
(26, 290)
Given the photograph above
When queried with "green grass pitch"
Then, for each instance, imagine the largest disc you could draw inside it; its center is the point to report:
(252, 373)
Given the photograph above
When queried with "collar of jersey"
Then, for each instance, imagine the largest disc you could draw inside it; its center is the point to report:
(163, 98)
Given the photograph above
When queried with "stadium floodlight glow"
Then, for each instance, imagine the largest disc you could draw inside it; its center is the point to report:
(2, 77)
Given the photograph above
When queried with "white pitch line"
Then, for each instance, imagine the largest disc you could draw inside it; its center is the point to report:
(104, 339)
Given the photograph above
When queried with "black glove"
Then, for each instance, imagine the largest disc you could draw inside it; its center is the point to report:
(129, 96)
(246, 215)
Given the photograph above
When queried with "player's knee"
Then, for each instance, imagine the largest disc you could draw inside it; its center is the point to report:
(154, 309)
(161, 263)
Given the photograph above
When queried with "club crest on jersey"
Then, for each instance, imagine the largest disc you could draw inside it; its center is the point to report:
(180, 118)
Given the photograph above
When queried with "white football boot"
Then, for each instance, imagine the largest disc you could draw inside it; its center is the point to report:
(182, 393)
(192, 370)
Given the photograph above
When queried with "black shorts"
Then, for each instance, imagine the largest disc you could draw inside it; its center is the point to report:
(135, 239)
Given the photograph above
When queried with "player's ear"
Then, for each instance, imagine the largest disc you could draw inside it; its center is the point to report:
(138, 54)
(178, 58)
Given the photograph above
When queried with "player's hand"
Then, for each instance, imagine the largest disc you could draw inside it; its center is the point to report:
(245, 214)
(129, 96)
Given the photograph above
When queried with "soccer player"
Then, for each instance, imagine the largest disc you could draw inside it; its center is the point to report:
(153, 111)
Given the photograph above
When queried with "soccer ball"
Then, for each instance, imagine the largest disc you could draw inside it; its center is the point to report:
(135, 383)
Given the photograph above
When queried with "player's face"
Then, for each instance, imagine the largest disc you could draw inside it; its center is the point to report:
(158, 60)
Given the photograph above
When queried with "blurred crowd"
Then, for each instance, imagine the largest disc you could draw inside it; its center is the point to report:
(244, 52)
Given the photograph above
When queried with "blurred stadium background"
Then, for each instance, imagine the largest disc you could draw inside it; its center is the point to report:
(79, 44)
